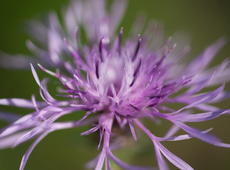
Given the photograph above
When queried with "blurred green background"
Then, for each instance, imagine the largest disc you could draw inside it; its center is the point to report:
(203, 21)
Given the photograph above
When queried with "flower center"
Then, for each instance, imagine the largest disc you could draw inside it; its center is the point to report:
(111, 71)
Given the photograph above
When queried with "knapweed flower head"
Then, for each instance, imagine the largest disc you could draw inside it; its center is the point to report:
(117, 82)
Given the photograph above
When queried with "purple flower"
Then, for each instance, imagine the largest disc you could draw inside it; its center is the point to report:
(117, 83)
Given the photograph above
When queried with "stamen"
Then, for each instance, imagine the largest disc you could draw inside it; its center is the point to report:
(160, 61)
(97, 70)
(135, 73)
(120, 40)
(137, 48)
(100, 48)
(137, 69)
(158, 64)
(133, 81)
(136, 108)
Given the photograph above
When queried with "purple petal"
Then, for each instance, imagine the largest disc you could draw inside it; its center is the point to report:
(204, 59)
(200, 117)
(179, 163)
(92, 130)
(9, 117)
(124, 165)
(35, 75)
(202, 136)
(15, 61)
(182, 137)
(207, 97)
(160, 160)
(173, 130)
(133, 131)
(55, 40)
(29, 151)
(107, 164)
(9, 141)
(117, 12)
(101, 160)
(27, 136)
(19, 103)
(20, 124)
